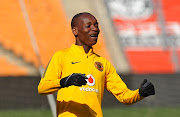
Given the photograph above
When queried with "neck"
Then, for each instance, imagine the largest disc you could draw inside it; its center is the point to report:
(86, 48)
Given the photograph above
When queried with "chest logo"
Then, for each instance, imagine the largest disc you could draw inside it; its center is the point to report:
(75, 62)
(99, 66)
(90, 80)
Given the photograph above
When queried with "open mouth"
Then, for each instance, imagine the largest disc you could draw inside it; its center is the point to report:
(94, 35)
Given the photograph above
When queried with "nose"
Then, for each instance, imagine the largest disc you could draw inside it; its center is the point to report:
(94, 28)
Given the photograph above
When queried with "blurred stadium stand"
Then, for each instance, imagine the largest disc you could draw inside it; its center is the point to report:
(50, 20)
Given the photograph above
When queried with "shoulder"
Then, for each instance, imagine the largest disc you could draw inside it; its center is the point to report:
(101, 59)
(106, 63)
(59, 55)
(62, 52)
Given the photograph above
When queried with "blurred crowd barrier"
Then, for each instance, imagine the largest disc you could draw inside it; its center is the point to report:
(21, 92)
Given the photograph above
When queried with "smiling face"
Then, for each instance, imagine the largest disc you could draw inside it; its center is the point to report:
(86, 30)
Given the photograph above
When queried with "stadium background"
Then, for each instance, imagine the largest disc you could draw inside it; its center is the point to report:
(140, 37)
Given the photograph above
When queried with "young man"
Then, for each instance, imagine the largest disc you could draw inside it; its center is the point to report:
(80, 76)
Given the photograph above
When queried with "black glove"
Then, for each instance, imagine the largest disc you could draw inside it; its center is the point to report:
(146, 88)
(76, 79)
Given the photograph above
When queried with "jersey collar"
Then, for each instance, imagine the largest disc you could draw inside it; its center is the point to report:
(80, 50)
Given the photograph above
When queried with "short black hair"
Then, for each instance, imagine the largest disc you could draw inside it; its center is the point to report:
(74, 19)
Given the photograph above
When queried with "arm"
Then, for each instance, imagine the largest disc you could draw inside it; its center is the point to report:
(118, 88)
(50, 81)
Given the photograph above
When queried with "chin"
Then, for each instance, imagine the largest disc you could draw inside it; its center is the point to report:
(94, 43)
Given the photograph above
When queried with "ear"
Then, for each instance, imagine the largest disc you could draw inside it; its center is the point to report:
(75, 31)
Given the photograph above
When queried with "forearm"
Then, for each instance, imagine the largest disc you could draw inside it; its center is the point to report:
(130, 97)
(48, 86)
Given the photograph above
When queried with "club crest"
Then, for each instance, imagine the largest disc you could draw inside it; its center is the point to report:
(99, 66)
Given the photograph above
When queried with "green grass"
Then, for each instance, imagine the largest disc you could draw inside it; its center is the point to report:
(107, 112)
(25, 113)
(141, 112)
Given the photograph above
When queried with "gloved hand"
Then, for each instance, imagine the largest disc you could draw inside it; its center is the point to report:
(76, 79)
(146, 88)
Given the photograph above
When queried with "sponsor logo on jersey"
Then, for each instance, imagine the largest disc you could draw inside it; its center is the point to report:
(99, 66)
(90, 82)
(88, 89)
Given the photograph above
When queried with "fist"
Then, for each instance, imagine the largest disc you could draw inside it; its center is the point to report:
(76, 79)
(146, 88)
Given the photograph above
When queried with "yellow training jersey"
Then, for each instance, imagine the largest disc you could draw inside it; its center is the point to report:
(83, 101)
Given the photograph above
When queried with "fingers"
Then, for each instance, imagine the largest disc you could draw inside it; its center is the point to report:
(146, 88)
(151, 93)
(79, 79)
(76, 79)
(77, 84)
(149, 90)
(147, 84)
(79, 74)
(150, 86)
(144, 81)
(83, 76)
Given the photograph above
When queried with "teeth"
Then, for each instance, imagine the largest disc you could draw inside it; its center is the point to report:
(94, 35)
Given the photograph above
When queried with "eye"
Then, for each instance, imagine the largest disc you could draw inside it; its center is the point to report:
(88, 26)
(96, 25)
